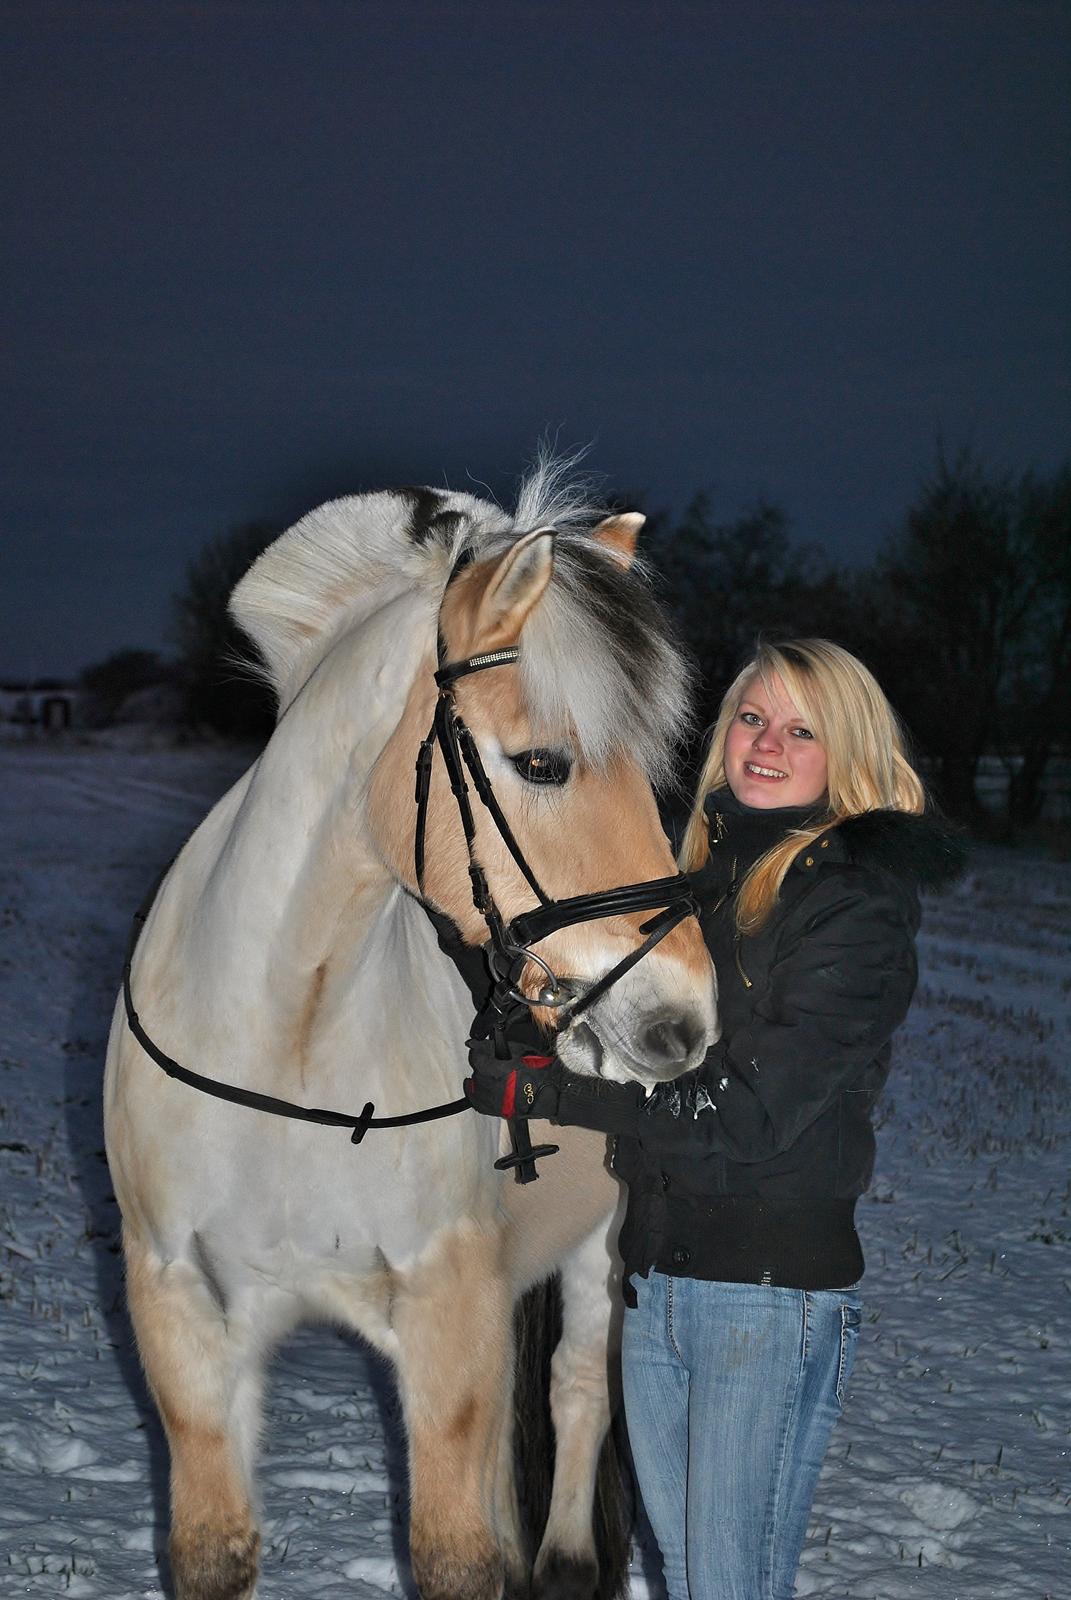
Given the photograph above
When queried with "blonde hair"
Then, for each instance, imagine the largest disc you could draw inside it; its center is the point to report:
(868, 769)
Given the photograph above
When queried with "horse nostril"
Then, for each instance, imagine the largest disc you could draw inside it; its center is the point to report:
(670, 1039)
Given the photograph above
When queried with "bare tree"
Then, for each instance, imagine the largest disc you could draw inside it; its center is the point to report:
(223, 684)
(1038, 720)
(964, 589)
(726, 582)
(111, 681)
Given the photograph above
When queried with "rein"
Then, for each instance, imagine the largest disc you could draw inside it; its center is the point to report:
(249, 1097)
(510, 943)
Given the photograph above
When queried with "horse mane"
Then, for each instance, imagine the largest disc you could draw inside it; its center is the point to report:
(599, 663)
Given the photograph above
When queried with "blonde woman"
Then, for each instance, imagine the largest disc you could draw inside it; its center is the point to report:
(807, 846)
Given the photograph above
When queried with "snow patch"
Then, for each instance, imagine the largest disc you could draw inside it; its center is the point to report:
(940, 1506)
(947, 1476)
(45, 1451)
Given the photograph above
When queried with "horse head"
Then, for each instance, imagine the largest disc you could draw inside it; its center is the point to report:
(571, 726)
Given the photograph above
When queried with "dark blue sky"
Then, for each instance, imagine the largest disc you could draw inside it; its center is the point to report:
(260, 254)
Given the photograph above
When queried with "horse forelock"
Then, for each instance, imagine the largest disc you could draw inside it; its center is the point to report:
(599, 664)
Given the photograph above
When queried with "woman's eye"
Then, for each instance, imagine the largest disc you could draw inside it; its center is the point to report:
(752, 718)
(803, 733)
(543, 766)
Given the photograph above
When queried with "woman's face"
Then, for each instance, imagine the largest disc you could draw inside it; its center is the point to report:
(771, 756)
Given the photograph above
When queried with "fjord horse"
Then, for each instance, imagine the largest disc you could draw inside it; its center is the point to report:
(286, 951)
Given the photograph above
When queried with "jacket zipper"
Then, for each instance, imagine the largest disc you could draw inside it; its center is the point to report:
(730, 894)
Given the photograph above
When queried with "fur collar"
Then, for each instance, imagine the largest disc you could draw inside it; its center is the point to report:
(927, 850)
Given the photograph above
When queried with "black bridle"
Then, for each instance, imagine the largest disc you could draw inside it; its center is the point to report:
(509, 942)
(509, 947)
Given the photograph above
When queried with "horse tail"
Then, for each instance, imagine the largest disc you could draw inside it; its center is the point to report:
(537, 1329)
(537, 1326)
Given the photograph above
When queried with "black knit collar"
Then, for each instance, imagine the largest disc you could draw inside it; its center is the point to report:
(747, 832)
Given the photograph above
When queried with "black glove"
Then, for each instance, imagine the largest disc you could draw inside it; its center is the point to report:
(525, 1084)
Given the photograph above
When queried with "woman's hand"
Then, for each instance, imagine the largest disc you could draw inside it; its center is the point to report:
(523, 1085)
(531, 1084)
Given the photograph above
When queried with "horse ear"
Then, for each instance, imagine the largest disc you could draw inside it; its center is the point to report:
(618, 535)
(515, 588)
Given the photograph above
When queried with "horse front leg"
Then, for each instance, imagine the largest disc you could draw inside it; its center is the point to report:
(452, 1315)
(205, 1378)
(583, 1389)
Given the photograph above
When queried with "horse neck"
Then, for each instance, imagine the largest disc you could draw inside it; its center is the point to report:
(298, 854)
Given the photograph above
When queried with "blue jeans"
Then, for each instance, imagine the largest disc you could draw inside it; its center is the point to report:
(731, 1393)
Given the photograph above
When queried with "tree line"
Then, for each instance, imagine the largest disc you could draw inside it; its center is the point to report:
(964, 616)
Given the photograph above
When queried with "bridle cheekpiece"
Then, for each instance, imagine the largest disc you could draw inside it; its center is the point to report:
(510, 943)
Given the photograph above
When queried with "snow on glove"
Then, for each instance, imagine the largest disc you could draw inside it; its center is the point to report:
(523, 1085)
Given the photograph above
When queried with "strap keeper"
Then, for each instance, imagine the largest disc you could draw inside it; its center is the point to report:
(423, 769)
(481, 893)
(363, 1123)
(471, 755)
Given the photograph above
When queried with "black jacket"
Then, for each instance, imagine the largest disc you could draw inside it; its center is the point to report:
(748, 1170)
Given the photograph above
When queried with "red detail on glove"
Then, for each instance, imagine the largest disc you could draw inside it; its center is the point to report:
(537, 1063)
(509, 1095)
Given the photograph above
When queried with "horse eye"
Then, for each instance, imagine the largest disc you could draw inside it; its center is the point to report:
(543, 766)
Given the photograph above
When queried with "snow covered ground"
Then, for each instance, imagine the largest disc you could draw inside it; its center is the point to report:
(950, 1475)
